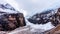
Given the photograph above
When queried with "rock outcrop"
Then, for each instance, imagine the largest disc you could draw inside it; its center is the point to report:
(42, 18)
(10, 18)
(12, 21)
(55, 30)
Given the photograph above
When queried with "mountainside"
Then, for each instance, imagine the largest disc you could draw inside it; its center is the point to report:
(10, 19)
(42, 18)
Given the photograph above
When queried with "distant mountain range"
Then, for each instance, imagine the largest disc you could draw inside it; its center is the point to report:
(7, 8)
(42, 18)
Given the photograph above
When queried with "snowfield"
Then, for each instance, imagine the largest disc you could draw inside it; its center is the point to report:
(32, 29)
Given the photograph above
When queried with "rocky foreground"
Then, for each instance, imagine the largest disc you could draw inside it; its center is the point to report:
(28, 30)
(24, 30)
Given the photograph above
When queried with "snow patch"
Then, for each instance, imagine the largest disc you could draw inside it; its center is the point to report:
(44, 27)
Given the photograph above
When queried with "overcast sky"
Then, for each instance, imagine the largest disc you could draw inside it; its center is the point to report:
(33, 6)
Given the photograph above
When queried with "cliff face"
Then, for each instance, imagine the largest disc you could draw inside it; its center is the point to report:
(10, 19)
(10, 22)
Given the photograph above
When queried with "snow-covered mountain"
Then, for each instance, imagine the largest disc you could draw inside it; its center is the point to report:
(7, 8)
(33, 21)
(39, 18)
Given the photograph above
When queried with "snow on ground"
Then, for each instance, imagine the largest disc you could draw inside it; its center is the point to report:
(32, 28)
(44, 27)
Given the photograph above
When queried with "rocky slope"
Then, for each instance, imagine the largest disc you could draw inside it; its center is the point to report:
(42, 18)
(10, 19)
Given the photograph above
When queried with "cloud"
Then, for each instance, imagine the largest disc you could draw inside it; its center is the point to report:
(24, 12)
(34, 6)
(17, 6)
(13, 3)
